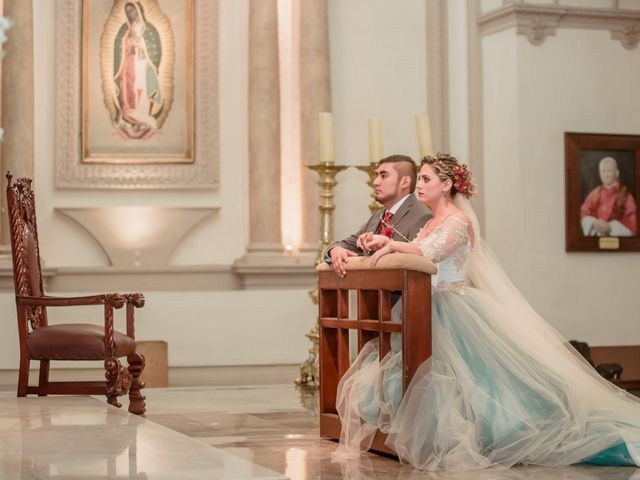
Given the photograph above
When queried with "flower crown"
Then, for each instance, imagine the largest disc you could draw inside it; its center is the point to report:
(462, 182)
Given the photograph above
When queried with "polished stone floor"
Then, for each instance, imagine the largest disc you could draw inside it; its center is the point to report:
(224, 429)
(84, 438)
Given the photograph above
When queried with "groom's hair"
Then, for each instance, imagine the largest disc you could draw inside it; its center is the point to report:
(405, 166)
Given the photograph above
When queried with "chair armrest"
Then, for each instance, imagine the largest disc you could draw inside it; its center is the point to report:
(113, 300)
(116, 300)
(135, 299)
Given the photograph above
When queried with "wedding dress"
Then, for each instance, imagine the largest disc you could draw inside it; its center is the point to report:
(502, 386)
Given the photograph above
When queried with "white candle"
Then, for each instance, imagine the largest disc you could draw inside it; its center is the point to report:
(376, 151)
(325, 137)
(424, 135)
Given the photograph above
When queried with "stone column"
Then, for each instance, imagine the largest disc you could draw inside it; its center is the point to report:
(264, 129)
(17, 114)
(265, 252)
(476, 108)
(315, 88)
(438, 74)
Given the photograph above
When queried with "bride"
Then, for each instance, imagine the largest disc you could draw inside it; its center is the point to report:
(502, 386)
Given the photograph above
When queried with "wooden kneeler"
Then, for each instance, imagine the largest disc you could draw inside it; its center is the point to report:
(397, 272)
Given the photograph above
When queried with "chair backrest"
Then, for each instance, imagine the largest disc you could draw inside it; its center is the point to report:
(27, 274)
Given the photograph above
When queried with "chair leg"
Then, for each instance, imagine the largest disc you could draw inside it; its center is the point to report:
(23, 376)
(136, 399)
(112, 373)
(44, 377)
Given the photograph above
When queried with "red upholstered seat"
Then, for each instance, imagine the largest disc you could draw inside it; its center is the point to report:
(79, 341)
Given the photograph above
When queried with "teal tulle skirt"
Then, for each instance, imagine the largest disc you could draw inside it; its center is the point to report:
(490, 395)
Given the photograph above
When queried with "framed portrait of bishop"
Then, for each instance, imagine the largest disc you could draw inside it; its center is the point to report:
(602, 173)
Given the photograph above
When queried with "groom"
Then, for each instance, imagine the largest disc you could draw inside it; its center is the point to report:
(403, 214)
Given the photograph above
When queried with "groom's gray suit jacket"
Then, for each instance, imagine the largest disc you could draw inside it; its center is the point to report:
(408, 220)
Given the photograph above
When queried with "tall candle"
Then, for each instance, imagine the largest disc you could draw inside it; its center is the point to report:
(325, 137)
(376, 151)
(424, 135)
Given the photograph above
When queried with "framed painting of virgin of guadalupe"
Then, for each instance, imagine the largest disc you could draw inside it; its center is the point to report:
(144, 111)
(602, 174)
(138, 81)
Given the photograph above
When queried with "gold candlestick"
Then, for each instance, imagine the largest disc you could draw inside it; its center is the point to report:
(371, 170)
(327, 171)
(326, 182)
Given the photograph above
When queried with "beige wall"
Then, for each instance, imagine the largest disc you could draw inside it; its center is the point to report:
(378, 67)
(578, 80)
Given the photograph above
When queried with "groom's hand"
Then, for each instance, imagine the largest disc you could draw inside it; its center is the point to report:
(339, 256)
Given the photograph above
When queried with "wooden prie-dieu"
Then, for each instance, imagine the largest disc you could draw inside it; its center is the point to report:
(397, 277)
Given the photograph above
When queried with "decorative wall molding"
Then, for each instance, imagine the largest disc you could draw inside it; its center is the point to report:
(137, 236)
(6, 275)
(538, 22)
(72, 173)
(187, 278)
(265, 270)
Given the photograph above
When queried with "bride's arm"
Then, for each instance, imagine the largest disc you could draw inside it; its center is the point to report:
(395, 246)
(437, 246)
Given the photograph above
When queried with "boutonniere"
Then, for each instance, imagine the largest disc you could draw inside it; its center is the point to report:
(387, 232)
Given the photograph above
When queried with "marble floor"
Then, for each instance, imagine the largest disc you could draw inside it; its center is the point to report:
(205, 429)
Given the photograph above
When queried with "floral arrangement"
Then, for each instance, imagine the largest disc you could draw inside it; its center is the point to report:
(387, 232)
(5, 24)
(463, 183)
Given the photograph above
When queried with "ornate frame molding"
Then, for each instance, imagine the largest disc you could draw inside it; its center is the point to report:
(538, 22)
(72, 173)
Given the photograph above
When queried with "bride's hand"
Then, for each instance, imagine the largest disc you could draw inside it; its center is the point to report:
(363, 239)
(388, 248)
(376, 242)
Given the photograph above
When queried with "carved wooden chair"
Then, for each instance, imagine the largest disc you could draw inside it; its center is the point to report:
(43, 342)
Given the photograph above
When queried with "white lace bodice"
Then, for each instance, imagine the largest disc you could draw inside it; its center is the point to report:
(448, 245)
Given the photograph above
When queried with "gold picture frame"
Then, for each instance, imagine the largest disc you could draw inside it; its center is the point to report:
(139, 135)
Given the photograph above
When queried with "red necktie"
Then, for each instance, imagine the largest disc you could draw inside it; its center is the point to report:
(384, 228)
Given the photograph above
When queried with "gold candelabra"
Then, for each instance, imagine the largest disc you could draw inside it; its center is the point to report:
(370, 169)
(309, 372)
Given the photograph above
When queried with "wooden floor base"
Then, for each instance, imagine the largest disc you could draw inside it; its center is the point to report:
(330, 428)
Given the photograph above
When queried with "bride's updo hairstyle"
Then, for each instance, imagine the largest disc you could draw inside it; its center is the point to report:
(447, 167)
